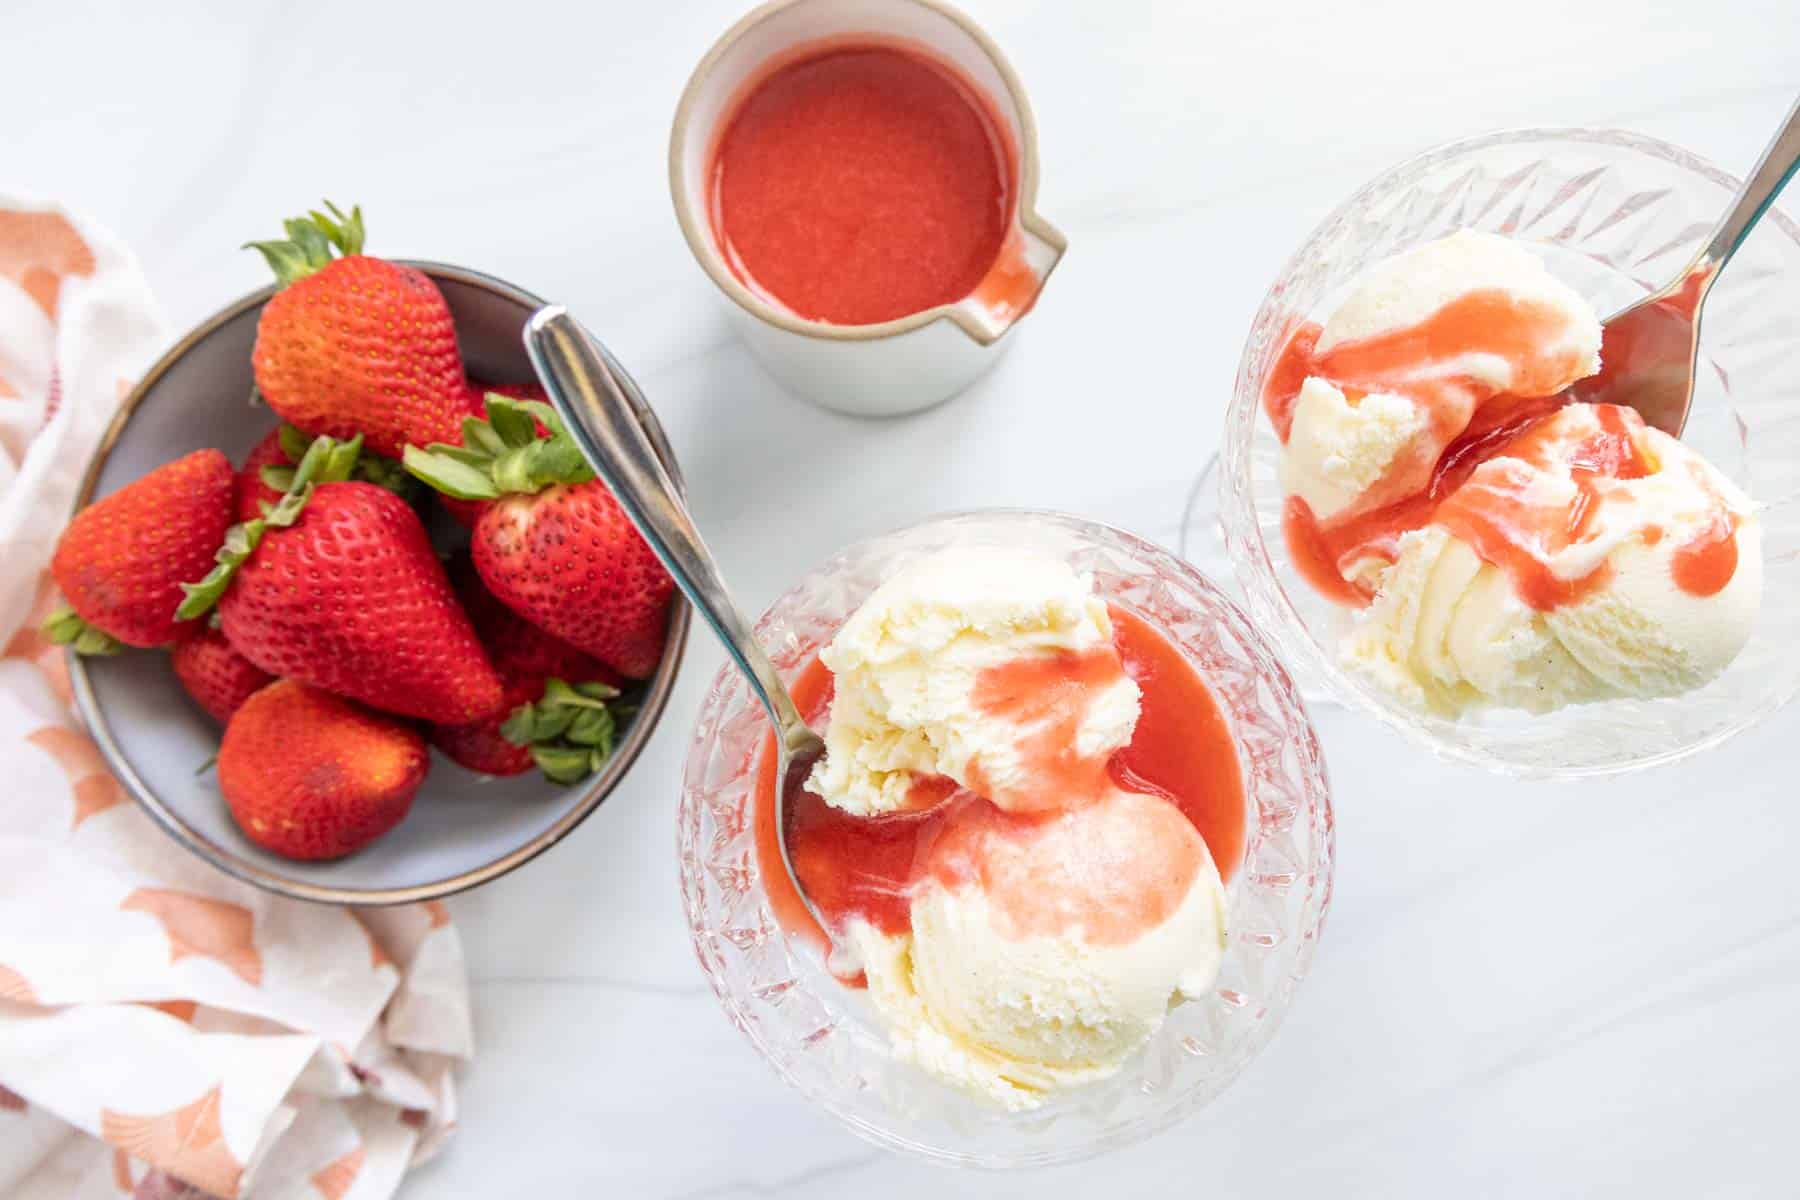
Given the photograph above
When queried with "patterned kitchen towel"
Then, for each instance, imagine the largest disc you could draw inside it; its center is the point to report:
(165, 1030)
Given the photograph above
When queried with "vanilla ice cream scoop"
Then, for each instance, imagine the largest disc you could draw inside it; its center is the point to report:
(1511, 549)
(1591, 559)
(1402, 365)
(1044, 953)
(1051, 918)
(956, 666)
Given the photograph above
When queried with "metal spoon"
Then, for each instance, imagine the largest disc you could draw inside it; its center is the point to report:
(1651, 349)
(576, 371)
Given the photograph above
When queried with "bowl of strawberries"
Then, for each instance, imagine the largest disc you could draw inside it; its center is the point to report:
(347, 612)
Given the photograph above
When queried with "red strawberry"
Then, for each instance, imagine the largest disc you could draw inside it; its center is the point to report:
(122, 560)
(569, 559)
(554, 545)
(338, 587)
(527, 658)
(516, 647)
(308, 775)
(250, 491)
(216, 676)
(356, 344)
(479, 745)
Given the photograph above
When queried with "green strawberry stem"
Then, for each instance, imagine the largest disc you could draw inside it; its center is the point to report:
(325, 461)
(310, 242)
(64, 627)
(502, 455)
(370, 467)
(569, 731)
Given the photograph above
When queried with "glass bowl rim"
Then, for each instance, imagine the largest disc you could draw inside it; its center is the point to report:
(1267, 599)
(1319, 902)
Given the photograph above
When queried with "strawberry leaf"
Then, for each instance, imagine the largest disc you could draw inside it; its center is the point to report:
(368, 467)
(344, 232)
(279, 478)
(570, 731)
(286, 512)
(550, 722)
(594, 729)
(515, 470)
(478, 459)
(512, 423)
(482, 438)
(557, 460)
(310, 243)
(240, 542)
(501, 455)
(517, 727)
(543, 412)
(445, 471)
(565, 764)
(294, 442)
(559, 693)
(64, 627)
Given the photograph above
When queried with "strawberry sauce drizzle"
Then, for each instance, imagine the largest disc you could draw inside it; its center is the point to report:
(1440, 479)
(1706, 562)
(1048, 699)
(1181, 755)
(1494, 512)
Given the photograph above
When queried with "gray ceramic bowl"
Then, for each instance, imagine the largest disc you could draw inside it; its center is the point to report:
(463, 829)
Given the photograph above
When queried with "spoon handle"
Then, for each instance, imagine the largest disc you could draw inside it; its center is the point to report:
(1761, 186)
(576, 371)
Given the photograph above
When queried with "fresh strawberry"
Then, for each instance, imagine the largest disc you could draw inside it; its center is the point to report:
(215, 675)
(308, 775)
(268, 472)
(554, 545)
(533, 664)
(479, 745)
(338, 587)
(121, 562)
(517, 648)
(356, 344)
(566, 729)
(250, 492)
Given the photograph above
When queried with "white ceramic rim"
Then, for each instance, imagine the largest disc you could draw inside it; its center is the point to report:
(699, 239)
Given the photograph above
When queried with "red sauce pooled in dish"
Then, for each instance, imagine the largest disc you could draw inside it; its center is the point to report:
(1181, 758)
(863, 181)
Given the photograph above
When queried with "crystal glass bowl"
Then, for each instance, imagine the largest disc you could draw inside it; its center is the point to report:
(822, 1038)
(1615, 215)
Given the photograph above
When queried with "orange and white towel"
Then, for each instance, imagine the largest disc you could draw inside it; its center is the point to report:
(163, 1027)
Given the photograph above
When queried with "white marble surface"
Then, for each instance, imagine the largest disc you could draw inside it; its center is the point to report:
(1524, 990)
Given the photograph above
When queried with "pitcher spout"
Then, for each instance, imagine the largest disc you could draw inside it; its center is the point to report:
(1011, 287)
